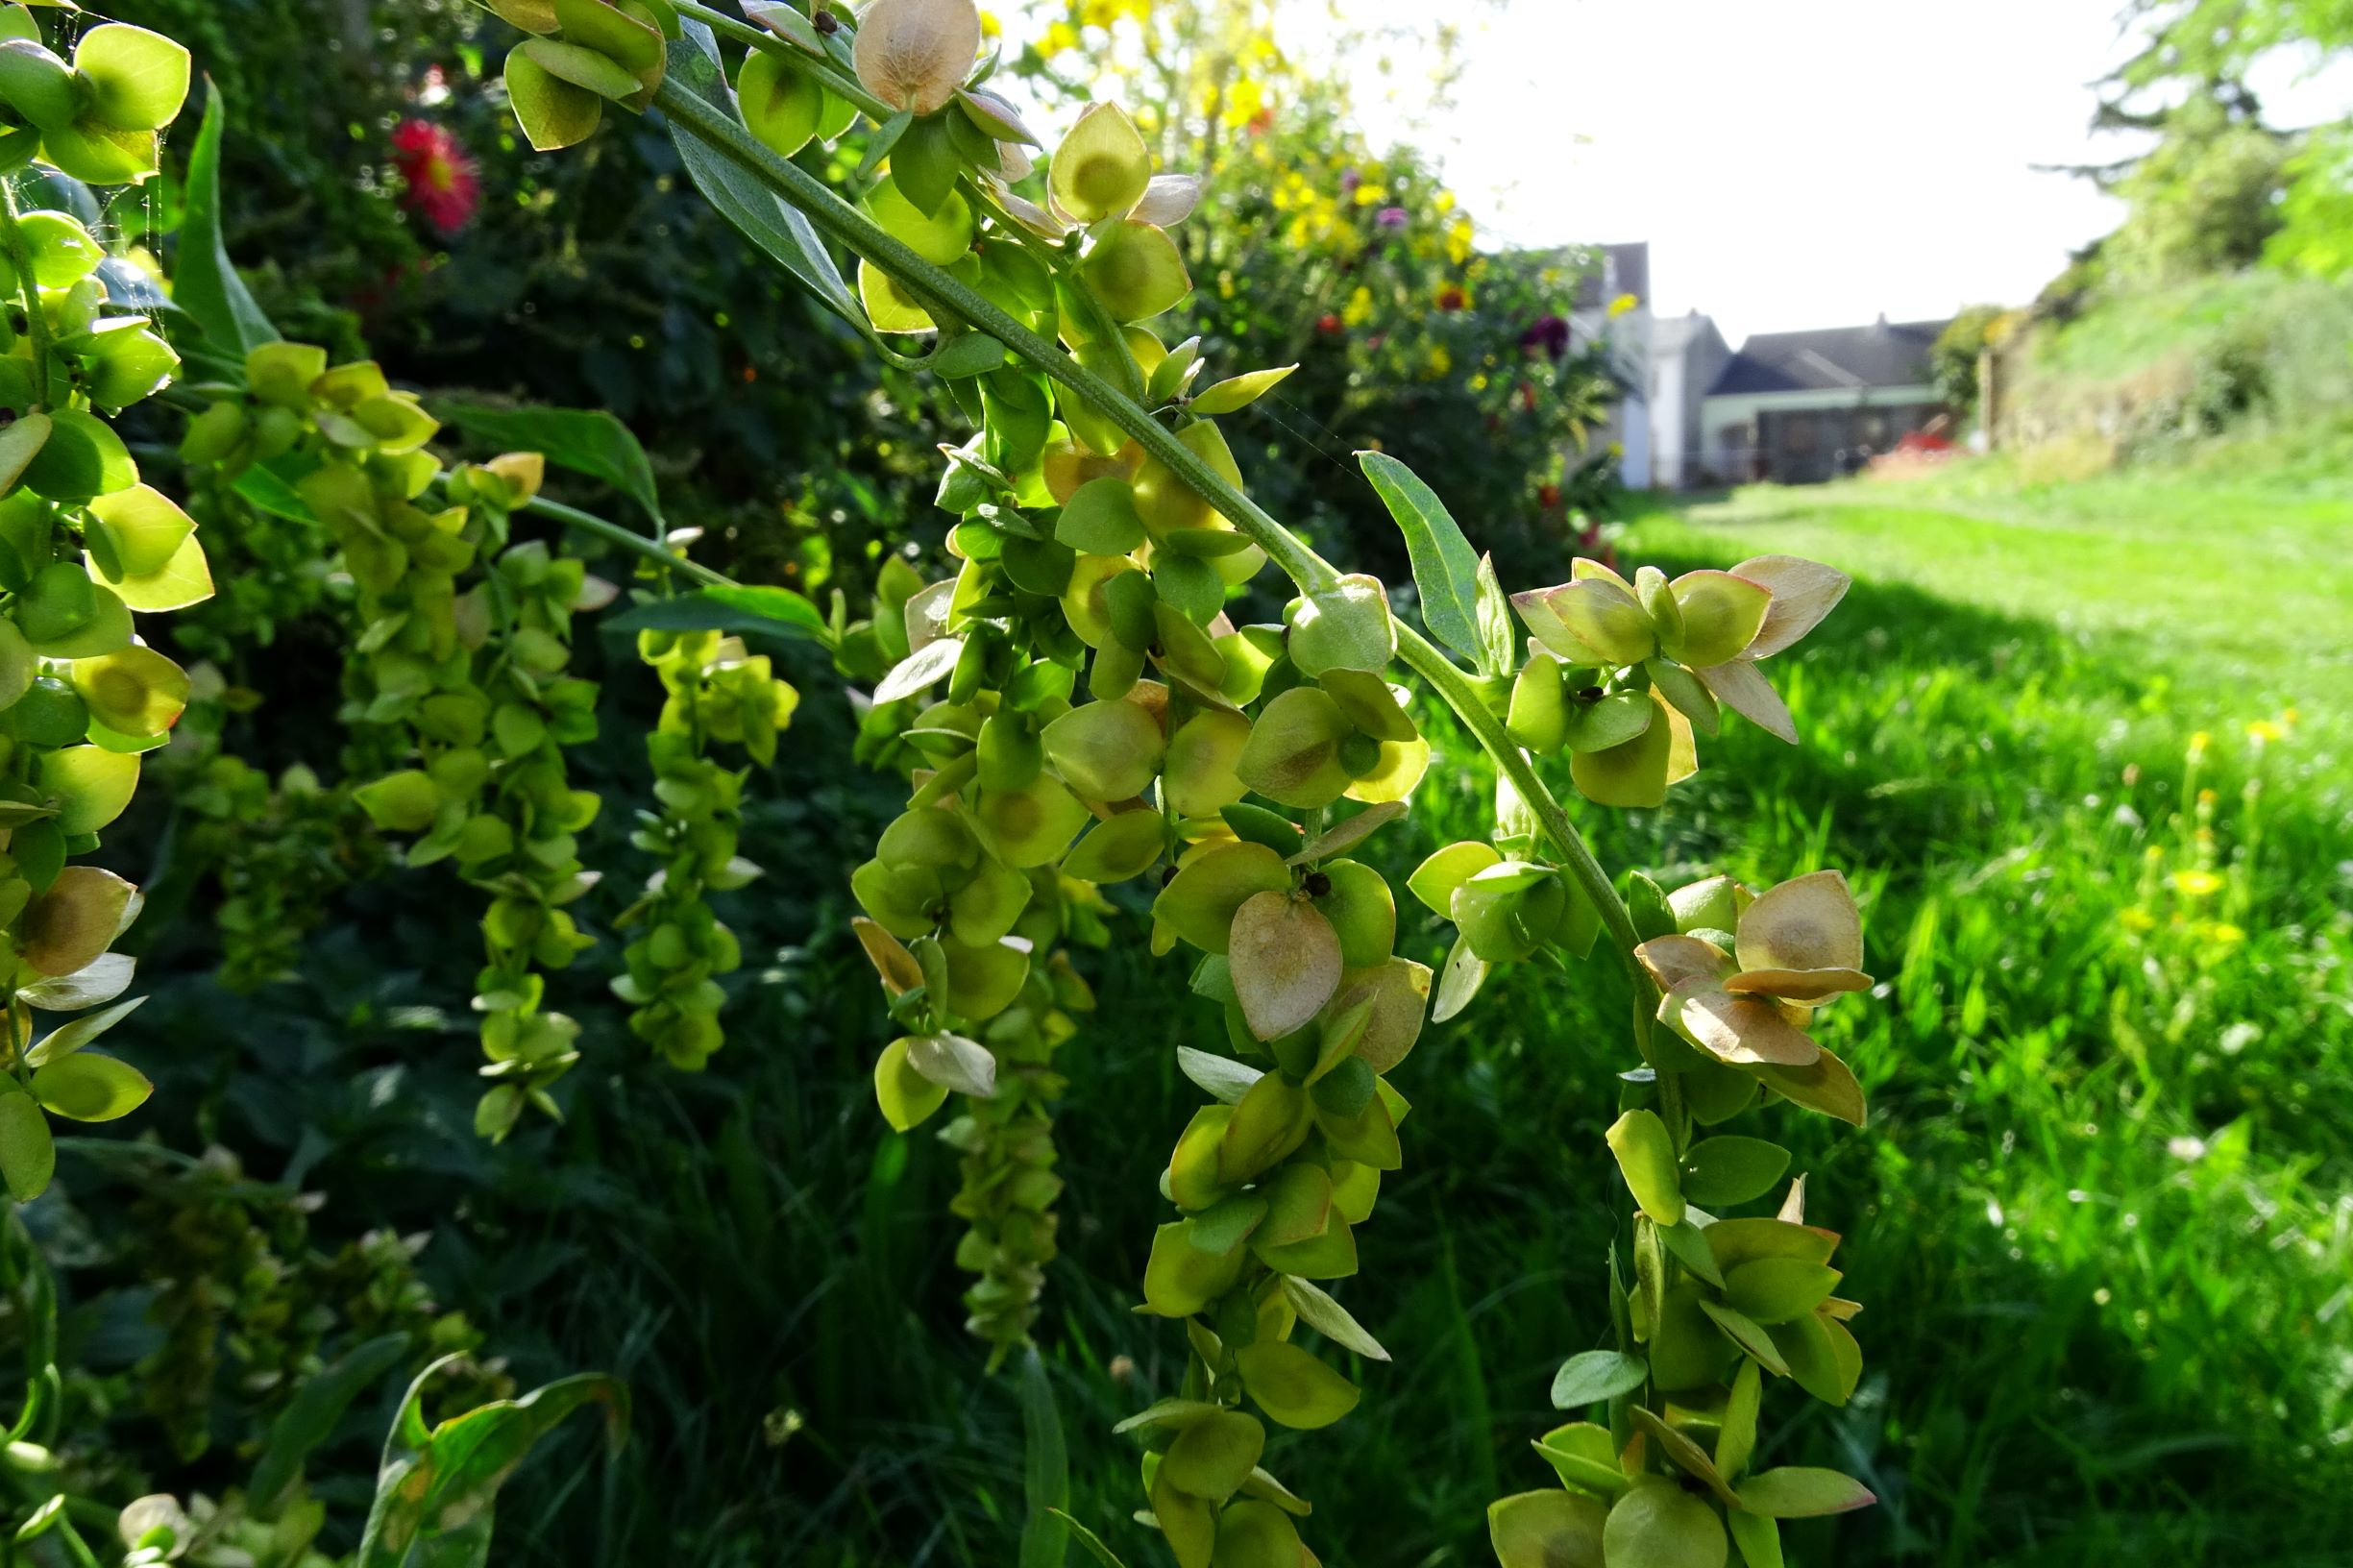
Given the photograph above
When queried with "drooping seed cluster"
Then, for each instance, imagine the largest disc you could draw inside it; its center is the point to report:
(1076, 707)
(85, 550)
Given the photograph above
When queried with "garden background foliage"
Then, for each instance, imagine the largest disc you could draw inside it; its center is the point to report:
(766, 1269)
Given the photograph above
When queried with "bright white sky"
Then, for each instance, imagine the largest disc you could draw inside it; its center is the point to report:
(1793, 163)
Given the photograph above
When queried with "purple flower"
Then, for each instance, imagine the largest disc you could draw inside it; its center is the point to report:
(1392, 217)
(1350, 179)
(1550, 333)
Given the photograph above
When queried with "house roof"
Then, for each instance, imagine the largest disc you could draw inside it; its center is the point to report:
(1670, 336)
(1832, 359)
(1623, 269)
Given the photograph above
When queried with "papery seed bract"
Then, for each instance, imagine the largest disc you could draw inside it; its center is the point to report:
(1102, 168)
(1285, 961)
(1105, 750)
(1553, 1528)
(1806, 924)
(1166, 502)
(1658, 1522)
(1293, 752)
(1362, 910)
(1720, 615)
(1803, 592)
(906, 1098)
(1136, 270)
(1294, 1387)
(1198, 776)
(1125, 846)
(1181, 1279)
(915, 54)
(1199, 902)
(1211, 1458)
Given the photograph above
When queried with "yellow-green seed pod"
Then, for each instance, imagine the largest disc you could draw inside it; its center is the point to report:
(1102, 168)
(940, 238)
(780, 105)
(1136, 270)
(1293, 755)
(1539, 713)
(134, 690)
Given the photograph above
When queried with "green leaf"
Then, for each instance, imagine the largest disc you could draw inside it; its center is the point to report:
(780, 230)
(1238, 391)
(1646, 1158)
(1658, 1525)
(1100, 518)
(584, 440)
(1293, 1387)
(921, 670)
(1220, 1077)
(1594, 1377)
(1800, 1493)
(1045, 1469)
(1778, 1289)
(437, 1486)
(1719, 1172)
(778, 611)
(87, 1087)
(68, 1037)
(1088, 1538)
(1499, 634)
(1328, 1317)
(923, 165)
(1759, 1538)
(310, 1416)
(204, 283)
(28, 1154)
(266, 489)
(1445, 570)
(1551, 1528)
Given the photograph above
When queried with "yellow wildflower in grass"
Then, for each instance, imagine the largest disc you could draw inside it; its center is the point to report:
(2137, 919)
(2263, 730)
(1440, 363)
(1359, 307)
(1458, 236)
(2199, 744)
(2224, 934)
(2196, 884)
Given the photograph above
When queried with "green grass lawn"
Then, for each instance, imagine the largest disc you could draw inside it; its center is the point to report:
(2105, 1210)
(2100, 1218)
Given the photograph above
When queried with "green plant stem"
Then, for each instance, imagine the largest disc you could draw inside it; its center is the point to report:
(1445, 678)
(628, 539)
(21, 257)
(937, 291)
(935, 288)
(1099, 322)
(792, 54)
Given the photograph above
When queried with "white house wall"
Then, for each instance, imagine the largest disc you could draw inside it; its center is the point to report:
(1738, 411)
